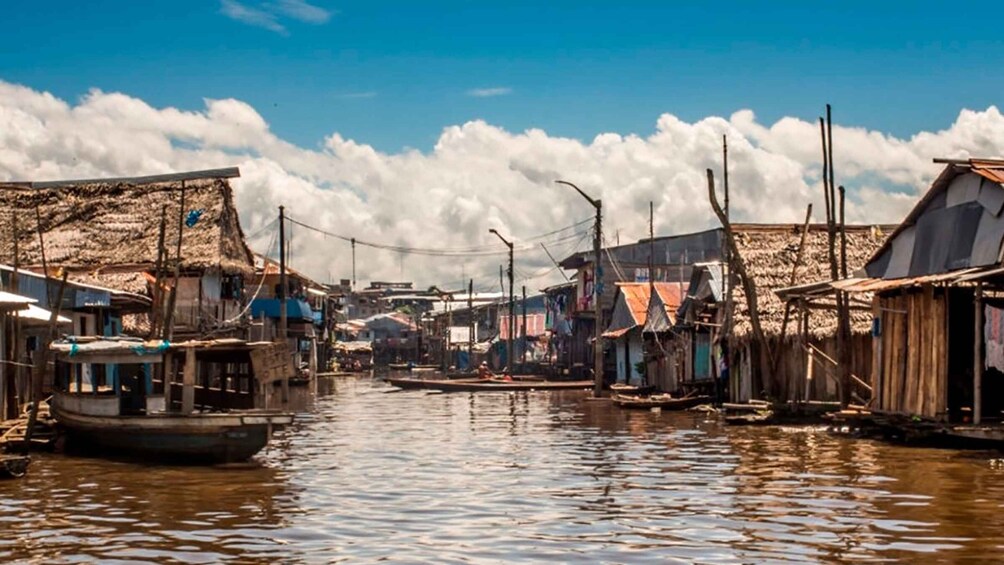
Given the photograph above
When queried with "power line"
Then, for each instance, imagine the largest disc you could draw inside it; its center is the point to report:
(473, 251)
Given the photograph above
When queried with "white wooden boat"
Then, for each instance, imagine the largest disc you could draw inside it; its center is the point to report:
(108, 400)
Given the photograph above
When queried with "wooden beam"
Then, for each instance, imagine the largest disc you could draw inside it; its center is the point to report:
(188, 382)
(978, 355)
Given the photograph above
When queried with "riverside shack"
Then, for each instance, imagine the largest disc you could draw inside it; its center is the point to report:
(107, 232)
(629, 317)
(774, 256)
(938, 306)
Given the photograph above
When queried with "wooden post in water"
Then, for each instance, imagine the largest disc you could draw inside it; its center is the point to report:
(188, 382)
(978, 355)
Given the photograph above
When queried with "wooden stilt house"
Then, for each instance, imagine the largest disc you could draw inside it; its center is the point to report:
(938, 306)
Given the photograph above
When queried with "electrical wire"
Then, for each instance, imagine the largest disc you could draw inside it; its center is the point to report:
(472, 251)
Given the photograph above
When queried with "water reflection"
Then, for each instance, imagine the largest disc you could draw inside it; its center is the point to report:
(415, 476)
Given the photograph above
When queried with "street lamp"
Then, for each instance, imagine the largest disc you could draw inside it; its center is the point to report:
(512, 306)
(597, 312)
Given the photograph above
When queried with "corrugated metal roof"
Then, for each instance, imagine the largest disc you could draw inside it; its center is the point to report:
(633, 299)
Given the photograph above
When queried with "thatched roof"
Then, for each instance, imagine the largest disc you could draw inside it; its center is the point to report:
(770, 250)
(108, 229)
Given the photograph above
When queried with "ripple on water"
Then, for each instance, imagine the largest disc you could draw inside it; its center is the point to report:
(515, 477)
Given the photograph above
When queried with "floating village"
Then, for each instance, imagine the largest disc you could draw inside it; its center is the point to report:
(136, 322)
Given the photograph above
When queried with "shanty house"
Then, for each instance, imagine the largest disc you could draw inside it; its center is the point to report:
(690, 344)
(630, 314)
(137, 234)
(773, 260)
(671, 259)
(938, 286)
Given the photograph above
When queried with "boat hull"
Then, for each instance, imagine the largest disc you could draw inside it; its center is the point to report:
(184, 439)
(487, 385)
(645, 403)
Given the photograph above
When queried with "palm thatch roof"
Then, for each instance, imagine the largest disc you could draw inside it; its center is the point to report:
(770, 251)
(107, 231)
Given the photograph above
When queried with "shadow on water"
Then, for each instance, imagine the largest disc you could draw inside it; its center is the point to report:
(421, 477)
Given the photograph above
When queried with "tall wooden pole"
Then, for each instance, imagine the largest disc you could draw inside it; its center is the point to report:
(282, 273)
(169, 316)
(978, 356)
(512, 313)
(597, 308)
(470, 323)
(523, 361)
(729, 277)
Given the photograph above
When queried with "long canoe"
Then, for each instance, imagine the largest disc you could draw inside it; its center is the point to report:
(663, 401)
(490, 385)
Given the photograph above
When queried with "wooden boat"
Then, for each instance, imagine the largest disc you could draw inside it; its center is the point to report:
(487, 385)
(120, 409)
(626, 389)
(661, 401)
(412, 366)
(13, 466)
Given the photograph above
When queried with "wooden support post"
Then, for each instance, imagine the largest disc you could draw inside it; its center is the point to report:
(167, 372)
(808, 374)
(978, 355)
(188, 382)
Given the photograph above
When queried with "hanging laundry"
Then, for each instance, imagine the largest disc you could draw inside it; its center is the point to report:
(193, 218)
(993, 337)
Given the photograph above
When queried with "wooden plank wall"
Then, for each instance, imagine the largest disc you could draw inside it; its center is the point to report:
(910, 374)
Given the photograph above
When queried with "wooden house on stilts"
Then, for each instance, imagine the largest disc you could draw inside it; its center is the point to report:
(938, 307)
(774, 256)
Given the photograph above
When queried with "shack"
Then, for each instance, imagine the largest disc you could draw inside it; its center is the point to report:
(774, 257)
(630, 314)
(137, 234)
(938, 305)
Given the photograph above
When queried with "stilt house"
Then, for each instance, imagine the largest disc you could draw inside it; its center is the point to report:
(108, 232)
(938, 307)
(773, 260)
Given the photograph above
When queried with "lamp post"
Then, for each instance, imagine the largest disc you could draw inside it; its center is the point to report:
(512, 305)
(597, 311)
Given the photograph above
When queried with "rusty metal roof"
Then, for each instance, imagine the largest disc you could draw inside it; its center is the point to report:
(633, 300)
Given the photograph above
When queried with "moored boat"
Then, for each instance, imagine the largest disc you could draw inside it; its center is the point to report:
(107, 401)
(13, 466)
(661, 401)
(488, 385)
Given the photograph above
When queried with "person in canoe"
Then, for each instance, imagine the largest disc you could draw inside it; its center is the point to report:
(484, 372)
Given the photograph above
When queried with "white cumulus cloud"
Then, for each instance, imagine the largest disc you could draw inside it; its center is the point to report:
(478, 176)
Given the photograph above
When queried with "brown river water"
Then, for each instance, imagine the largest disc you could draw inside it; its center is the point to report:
(369, 475)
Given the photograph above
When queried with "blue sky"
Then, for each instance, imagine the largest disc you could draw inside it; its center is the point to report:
(393, 74)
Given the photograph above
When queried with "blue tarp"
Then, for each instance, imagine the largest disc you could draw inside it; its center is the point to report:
(295, 309)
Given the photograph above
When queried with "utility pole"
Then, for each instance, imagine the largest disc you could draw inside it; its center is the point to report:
(512, 302)
(282, 273)
(597, 291)
(353, 263)
(470, 324)
(523, 361)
